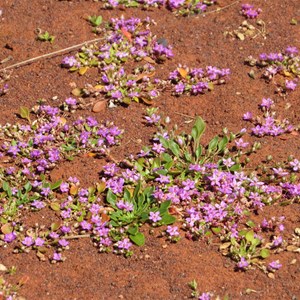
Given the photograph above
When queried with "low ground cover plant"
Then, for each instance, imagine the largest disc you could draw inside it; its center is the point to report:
(177, 186)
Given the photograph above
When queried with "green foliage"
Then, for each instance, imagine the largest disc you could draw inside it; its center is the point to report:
(95, 20)
(46, 37)
(248, 246)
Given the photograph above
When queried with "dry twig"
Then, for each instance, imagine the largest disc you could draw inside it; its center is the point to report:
(58, 52)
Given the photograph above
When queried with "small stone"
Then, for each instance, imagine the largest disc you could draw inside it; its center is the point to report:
(2, 268)
(164, 246)
(271, 275)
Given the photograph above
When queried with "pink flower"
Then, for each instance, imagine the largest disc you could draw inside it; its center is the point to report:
(154, 216)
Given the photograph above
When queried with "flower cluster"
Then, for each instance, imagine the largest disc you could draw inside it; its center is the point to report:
(121, 87)
(124, 39)
(285, 63)
(32, 151)
(197, 80)
(205, 186)
(268, 124)
(249, 11)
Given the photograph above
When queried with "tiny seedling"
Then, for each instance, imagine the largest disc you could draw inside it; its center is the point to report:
(46, 37)
(95, 20)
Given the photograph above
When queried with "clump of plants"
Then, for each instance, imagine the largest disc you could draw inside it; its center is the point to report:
(29, 152)
(179, 7)
(268, 124)
(123, 40)
(282, 68)
(177, 185)
(45, 37)
(196, 80)
(119, 86)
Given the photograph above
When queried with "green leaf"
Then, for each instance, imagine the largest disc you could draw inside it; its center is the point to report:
(127, 195)
(111, 198)
(198, 151)
(198, 129)
(216, 230)
(167, 219)
(250, 236)
(28, 187)
(138, 239)
(133, 230)
(137, 190)
(174, 147)
(222, 144)
(166, 157)
(264, 253)
(250, 224)
(55, 226)
(235, 167)
(212, 146)
(55, 185)
(164, 207)
(7, 188)
(24, 113)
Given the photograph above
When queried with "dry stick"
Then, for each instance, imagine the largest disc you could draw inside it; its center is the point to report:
(72, 237)
(31, 60)
(184, 115)
(222, 8)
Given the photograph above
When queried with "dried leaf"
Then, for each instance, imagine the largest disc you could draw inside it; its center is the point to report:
(211, 86)
(240, 36)
(83, 70)
(141, 76)
(126, 100)
(251, 74)
(294, 21)
(62, 121)
(127, 34)
(77, 92)
(73, 190)
(55, 206)
(41, 256)
(147, 101)
(23, 280)
(99, 106)
(183, 72)
(105, 217)
(101, 187)
(6, 228)
(90, 154)
(149, 60)
(98, 87)
(225, 245)
(293, 248)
